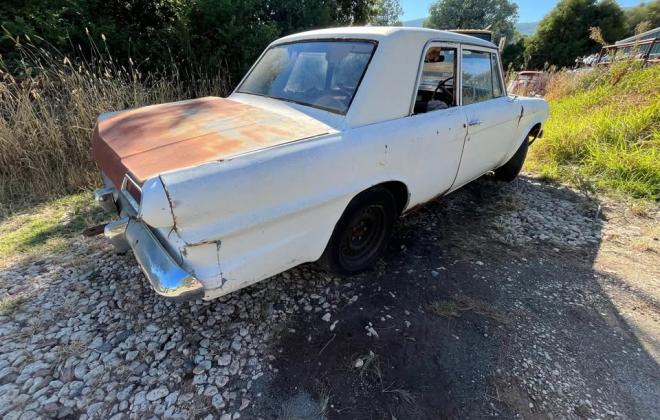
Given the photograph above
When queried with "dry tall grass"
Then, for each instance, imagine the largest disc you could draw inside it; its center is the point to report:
(47, 113)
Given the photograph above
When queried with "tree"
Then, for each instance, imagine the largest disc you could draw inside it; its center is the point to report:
(645, 12)
(141, 28)
(513, 54)
(231, 34)
(204, 36)
(497, 15)
(563, 34)
(386, 13)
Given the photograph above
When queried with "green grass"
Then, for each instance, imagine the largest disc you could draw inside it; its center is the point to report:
(46, 227)
(444, 308)
(604, 129)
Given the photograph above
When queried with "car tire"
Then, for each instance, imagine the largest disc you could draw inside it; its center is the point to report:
(362, 233)
(510, 170)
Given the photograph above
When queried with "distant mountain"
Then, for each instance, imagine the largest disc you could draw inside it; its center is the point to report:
(415, 23)
(525, 28)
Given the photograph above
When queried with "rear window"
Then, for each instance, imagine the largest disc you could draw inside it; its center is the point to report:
(319, 74)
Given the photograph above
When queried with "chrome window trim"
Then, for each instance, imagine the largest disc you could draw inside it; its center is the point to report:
(124, 192)
(489, 50)
(420, 69)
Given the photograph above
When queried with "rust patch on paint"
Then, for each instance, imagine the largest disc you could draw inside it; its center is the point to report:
(148, 141)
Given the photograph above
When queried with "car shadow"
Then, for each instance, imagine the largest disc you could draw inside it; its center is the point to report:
(486, 304)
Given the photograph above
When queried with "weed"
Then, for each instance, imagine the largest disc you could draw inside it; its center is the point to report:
(453, 309)
(445, 308)
(369, 366)
(639, 208)
(75, 347)
(9, 305)
(643, 245)
(604, 131)
(324, 400)
(403, 394)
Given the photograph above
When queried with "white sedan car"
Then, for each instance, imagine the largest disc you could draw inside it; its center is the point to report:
(328, 139)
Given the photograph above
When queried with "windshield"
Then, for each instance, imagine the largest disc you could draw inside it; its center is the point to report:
(323, 75)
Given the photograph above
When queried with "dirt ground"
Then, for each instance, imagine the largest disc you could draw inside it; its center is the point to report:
(471, 323)
(521, 300)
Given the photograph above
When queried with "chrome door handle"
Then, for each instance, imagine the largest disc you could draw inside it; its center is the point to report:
(474, 122)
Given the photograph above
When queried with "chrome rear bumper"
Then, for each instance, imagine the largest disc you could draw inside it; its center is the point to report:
(167, 278)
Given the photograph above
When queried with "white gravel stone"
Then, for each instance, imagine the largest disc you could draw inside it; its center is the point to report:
(157, 393)
(218, 402)
(221, 381)
(224, 360)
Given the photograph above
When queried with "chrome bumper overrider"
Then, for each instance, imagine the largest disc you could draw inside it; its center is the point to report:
(167, 278)
(105, 198)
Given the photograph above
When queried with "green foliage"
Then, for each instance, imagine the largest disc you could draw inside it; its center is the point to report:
(499, 15)
(386, 13)
(513, 55)
(645, 12)
(140, 28)
(604, 127)
(563, 34)
(210, 35)
(232, 34)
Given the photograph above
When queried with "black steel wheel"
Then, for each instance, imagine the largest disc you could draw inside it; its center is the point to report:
(362, 233)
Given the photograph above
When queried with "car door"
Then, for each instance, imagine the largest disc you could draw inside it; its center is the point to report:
(438, 122)
(491, 115)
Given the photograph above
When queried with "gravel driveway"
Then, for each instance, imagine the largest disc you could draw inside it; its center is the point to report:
(499, 300)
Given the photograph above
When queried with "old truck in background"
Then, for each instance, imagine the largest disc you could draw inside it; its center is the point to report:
(328, 139)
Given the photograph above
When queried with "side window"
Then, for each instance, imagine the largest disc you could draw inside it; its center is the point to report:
(497, 76)
(477, 77)
(436, 85)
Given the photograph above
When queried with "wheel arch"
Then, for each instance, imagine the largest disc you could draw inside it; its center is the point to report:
(400, 192)
(535, 128)
(397, 188)
(536, 131)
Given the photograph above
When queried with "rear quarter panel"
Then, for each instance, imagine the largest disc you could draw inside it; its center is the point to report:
(241, 220)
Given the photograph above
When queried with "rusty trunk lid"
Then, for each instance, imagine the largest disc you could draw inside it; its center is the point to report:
(147, 141)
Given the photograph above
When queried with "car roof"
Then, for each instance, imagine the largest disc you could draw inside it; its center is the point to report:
(386, 34)
(387, 88)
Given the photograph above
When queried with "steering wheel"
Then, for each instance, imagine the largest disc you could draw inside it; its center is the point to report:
(441, 86)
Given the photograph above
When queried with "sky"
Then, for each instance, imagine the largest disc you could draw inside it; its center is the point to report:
(528, 10)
